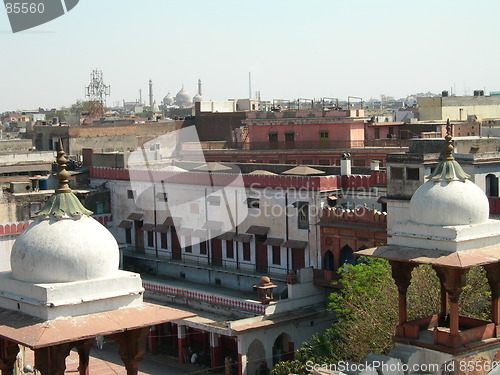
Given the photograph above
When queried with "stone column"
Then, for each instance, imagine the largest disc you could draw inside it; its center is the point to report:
(453, 282)
(181, 343)
(132, 348)
(401, 273)
(214, 350)
(443, 311)
(83, 348)
(8, 352)
(52, 360)
(493, 275)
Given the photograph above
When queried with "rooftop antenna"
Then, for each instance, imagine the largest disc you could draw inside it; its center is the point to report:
(96, 93)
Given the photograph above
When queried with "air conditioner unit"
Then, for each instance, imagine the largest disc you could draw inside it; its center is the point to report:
(21, 187)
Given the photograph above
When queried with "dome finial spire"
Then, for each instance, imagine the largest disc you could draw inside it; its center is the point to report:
(448, 150)
(63, 174)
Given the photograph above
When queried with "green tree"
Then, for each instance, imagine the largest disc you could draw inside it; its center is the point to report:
(80, 107)
(366, 310)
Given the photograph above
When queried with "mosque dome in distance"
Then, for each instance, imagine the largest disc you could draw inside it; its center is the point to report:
(183, 98)
(168, 100)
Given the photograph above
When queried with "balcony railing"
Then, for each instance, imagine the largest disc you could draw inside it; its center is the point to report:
(299, 145)
(240, 267)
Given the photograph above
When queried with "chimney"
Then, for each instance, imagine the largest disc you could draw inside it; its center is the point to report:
(345, 164)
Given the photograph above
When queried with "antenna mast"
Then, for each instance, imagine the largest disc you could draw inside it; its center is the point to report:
(96, 93)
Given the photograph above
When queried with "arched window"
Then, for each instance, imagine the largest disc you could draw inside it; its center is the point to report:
(328, 261)
(346, 255)
(491, 185)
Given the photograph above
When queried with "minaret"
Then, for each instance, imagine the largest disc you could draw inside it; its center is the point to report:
(151, 94)
(199, 87)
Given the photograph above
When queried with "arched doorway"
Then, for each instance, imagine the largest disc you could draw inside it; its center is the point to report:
(328, 261)
(282, 348)
(346, 255)
(256, 354)
(491, 185)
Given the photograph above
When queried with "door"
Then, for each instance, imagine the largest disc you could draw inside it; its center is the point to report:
(298, 260)
(176, 246)
(216, 245)
(139, 236)
(261, 257)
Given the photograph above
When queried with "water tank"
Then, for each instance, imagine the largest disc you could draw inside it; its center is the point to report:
(20, 187)
(444, 94)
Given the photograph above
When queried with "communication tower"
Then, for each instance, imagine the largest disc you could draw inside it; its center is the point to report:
(96, 93)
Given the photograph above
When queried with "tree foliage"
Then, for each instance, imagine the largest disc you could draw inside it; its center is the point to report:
(366, 311)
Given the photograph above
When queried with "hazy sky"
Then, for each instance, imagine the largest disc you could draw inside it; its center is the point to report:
(294, 49)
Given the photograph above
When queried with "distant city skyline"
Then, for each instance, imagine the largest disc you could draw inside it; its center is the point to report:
(294, 49)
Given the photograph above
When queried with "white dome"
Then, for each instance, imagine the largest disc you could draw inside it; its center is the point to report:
(197, 98)
(183, 98)
(168, 100)
(449, 203)
(61, 250)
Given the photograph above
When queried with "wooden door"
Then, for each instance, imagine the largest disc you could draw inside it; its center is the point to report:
(176, 246)
(298, 260)
(261, 257)
(216, 245)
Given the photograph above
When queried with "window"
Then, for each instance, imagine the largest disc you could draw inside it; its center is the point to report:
(273, 137)
(99, 208)
(188, 248)
(289, 136)
(324, 162)
(164, 244)
(246, 251)
(253, 203)
(229, 249)
(323, 135)
(377, 133)
(203, 247)
(151, 241)
(276, 255)
(412, 174)
(128, 236)
(396, 173)
(307, 162)
(130, 194)
(303, 215)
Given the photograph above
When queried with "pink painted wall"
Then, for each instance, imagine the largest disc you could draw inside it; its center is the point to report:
(349, 131)
(383, 130)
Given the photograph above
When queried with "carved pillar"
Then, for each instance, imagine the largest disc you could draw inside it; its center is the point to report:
(453, 281)
(8, 352)
(401, 273)
(83, 348)
(493, 275)
(443, 297)
(52, 360)
(132, 348)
